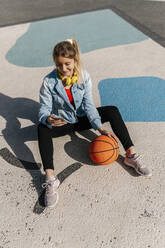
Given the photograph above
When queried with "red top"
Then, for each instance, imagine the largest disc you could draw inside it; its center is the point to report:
(69, 94)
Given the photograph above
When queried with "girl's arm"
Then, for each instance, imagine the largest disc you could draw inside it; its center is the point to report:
(90, 109)
(45, 103)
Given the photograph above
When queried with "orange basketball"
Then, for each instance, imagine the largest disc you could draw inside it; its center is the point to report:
(103, 150)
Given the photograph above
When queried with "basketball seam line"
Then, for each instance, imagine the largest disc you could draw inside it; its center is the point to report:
(106, 159)
(106, 150)
(103, 141)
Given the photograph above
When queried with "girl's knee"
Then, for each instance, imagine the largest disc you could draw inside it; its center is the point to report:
(115, 109)
(113, 112)
(112, 109)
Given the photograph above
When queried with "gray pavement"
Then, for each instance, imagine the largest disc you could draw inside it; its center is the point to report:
(147, 16)
(99, 206)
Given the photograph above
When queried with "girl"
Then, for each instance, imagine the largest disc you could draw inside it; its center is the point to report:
(66, 105)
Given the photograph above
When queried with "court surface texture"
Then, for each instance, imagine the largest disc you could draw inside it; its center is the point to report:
(99, 206)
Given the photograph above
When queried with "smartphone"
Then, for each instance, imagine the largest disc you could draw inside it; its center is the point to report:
(58, 118)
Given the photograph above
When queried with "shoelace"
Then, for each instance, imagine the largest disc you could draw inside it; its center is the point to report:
(137, 159)
(46, 186)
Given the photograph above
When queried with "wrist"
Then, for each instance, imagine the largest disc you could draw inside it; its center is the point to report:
(101, 130)
(47, 121)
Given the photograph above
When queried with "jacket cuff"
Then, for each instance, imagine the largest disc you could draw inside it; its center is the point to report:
(96, 124)
(43, 121)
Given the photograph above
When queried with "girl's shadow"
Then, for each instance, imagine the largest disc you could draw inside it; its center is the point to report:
(11, 109)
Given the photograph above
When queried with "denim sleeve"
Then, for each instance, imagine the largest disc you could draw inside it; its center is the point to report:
(90, 109)
(45, 103)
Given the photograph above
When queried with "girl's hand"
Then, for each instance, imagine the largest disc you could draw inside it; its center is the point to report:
(55, 122)
(109, 134)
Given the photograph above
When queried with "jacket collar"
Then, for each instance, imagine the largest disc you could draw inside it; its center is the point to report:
(61, 90)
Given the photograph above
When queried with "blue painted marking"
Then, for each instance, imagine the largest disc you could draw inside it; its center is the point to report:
(93, 30)
(139, 99)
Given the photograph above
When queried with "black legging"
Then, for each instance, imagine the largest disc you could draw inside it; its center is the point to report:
(107, 113)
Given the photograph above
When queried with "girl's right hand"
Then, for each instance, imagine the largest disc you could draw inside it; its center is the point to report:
(55, 122)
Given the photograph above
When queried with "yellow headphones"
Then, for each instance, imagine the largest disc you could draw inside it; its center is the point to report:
(68, 80)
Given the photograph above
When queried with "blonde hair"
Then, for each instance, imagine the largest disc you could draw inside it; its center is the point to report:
(70, 49)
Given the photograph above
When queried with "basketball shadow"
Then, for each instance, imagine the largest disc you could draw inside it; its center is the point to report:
(78, 147)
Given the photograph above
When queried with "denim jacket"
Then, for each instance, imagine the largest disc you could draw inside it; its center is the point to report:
(54, 100)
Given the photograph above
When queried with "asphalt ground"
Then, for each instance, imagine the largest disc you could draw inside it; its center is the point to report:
(99, 206)
(147, 16)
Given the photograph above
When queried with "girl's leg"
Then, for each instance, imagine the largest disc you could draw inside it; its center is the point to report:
(112, 115)
(46, 150)
(45, 143)
(46, 146)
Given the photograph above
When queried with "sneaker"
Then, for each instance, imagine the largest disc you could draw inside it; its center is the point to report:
(51, 194)
(136, 162)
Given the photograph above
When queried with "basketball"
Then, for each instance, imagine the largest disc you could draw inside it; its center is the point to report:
(103, 150)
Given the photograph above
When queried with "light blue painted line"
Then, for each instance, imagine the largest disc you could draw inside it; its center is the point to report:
(93, 30)
(139, 99)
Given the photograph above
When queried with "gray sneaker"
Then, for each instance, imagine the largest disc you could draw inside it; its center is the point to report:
(51, 193)
(136, 163)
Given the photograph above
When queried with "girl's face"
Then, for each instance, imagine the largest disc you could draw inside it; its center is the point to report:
(65, 66)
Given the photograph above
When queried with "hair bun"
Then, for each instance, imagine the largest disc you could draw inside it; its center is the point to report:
(70, 40)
